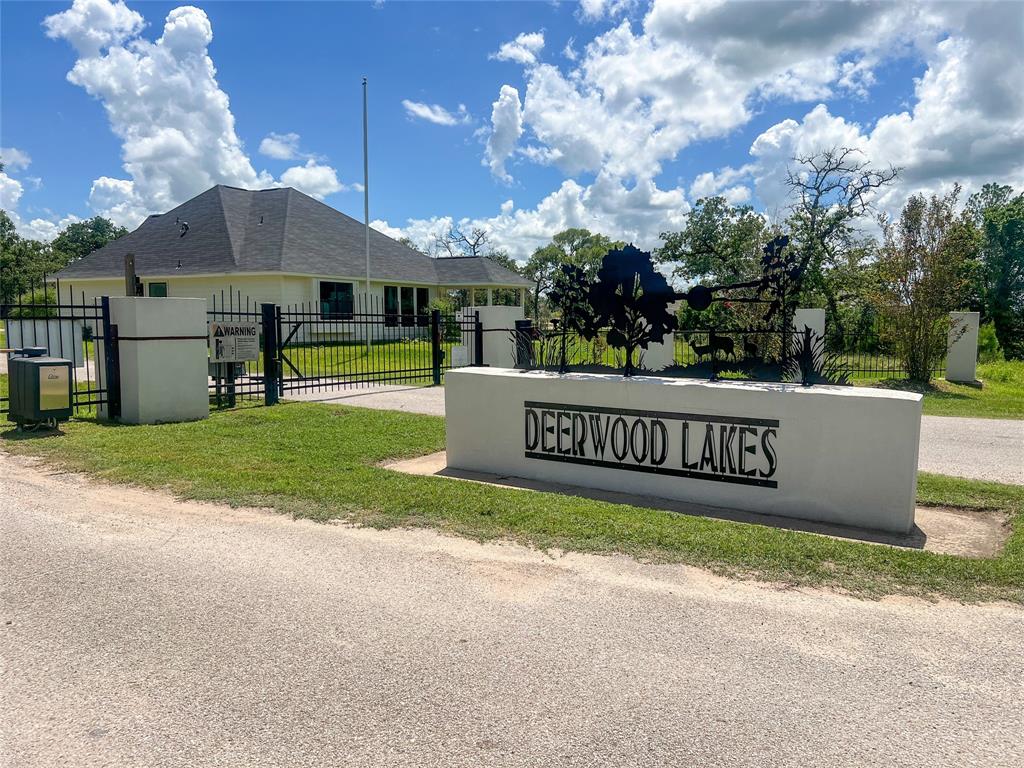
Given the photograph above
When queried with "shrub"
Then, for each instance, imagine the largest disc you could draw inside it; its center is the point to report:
(989, 350)
(922, 269)
(37, 303)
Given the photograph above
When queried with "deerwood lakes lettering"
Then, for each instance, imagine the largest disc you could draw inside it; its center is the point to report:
(730, 449)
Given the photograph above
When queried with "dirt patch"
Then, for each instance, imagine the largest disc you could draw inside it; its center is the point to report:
(965, 533)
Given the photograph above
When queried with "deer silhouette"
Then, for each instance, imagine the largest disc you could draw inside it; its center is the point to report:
(715, 344)
(749, 348)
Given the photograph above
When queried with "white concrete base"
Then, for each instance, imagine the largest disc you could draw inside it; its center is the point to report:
(163, 352)
(831, 454)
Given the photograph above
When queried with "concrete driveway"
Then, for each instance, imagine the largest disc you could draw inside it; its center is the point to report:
(141, 631)
(984, 449)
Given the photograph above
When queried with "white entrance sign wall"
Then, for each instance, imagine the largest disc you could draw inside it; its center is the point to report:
(162, 349)
(840, 455)
(498, 322)
(62, 338)
(962, 347)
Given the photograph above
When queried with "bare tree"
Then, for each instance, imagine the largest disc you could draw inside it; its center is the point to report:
(831, 190)
(458, 242)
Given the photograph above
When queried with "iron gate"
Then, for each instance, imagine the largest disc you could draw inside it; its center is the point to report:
(310, 348)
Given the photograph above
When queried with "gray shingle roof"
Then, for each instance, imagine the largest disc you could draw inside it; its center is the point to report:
(234, 230)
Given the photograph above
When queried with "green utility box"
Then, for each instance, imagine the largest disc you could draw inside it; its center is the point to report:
(40, 388)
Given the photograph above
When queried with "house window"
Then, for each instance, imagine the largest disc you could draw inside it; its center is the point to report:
(335, 300)
(158, 290)
(408, 305)
(391, 305)
(422, 307)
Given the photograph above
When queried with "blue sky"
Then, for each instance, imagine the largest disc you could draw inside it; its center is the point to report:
(669, 101)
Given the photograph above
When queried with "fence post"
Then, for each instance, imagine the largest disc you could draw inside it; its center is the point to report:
(279, 351)
(524, 342)
(111, 362)
(478, 340)
(435, 344)
(270, 372)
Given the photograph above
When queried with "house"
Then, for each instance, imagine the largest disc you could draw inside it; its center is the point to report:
(283, 247)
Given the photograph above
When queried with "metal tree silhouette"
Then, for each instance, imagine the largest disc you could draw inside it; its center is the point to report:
(570, 292)
(632, 297)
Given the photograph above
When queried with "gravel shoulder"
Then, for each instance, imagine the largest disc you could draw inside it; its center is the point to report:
(141, 631)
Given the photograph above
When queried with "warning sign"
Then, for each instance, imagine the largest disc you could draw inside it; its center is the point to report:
(234, 342)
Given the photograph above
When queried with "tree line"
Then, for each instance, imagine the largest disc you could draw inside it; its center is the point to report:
(24, 262)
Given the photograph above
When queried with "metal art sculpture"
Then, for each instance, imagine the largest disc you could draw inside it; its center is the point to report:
(634, 302)
(633, 298)
(570, 292)
(811, 363)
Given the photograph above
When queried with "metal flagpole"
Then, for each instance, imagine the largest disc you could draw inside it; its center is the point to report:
(366, 211)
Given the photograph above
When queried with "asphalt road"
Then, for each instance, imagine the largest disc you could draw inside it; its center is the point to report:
(141, 631)
(983, 449)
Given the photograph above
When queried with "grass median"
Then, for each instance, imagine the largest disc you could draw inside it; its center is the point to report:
(320, 462)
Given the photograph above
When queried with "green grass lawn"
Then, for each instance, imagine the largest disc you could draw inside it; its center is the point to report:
(1001, 397)
(320, 462)
(353, 359)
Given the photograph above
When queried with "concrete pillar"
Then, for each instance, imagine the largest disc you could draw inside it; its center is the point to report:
(499, 345)
(163, 352)
(962, 347)
(810, 318)
(659, 356)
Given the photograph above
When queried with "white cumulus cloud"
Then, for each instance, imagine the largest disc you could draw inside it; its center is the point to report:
(314, 179)
(163, 101)
(280, 146)
(14, 159)
(506, 128)
(522, 50)
(636, 213)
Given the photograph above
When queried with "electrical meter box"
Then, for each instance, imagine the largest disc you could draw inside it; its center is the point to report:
(40, 388)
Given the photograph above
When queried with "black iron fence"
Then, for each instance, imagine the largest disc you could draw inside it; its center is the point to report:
(70, 326)
(867, 349)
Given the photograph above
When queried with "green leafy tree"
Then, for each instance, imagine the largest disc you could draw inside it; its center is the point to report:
(1000, 271)
(576, 246)
(721, 244)
(922, 274)
(24, 263)
(83, 237)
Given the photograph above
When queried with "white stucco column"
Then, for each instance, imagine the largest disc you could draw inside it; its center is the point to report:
(810, 318)
(163, 352)
(661, 355)
(499, 344)
(962, 347)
